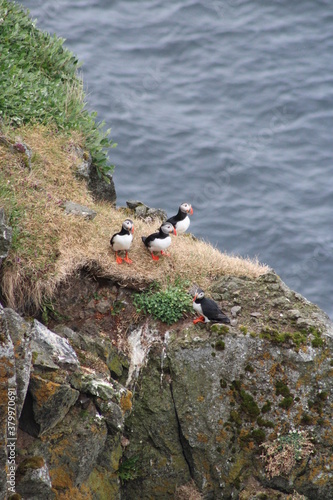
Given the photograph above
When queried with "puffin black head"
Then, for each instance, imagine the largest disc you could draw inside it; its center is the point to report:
(186, 208)
(199, 295)
(168, 228)
(128, 225)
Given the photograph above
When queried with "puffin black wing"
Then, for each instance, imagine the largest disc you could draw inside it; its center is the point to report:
(121, 233)
(113, 237)
(148, 239)
(173, 220)
(213, 312)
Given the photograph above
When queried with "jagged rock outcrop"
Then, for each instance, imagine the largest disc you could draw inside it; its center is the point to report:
(205, 401)
(68, 420)
(223, 391)
(5, 235)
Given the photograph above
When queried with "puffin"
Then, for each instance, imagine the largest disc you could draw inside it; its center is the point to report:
(123, 240)
(181, 221)
(158, 242)
(208, 309)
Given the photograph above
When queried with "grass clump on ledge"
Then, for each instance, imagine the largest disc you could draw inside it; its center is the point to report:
(169, 305)
(40, 84)
(49, 245)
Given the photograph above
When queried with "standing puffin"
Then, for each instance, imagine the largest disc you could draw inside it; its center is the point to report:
(158, 242)
(208, 309)
(181, 221)
(123, 240)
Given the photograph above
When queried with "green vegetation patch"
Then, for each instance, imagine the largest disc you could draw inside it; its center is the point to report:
(248, 405)
(169, 305)
(220, 345)
(281, 389)
(266, 407)
(40, 84)
(128, 469)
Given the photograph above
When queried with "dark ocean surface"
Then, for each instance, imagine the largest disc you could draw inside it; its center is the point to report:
(225, 104)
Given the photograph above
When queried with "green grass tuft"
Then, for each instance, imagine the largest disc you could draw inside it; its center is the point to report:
(168, 305)
(40, 84)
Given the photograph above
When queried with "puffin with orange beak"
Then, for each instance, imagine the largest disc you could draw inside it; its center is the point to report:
(159, 242)
(181, 220)
(122, 241)
(208, 309)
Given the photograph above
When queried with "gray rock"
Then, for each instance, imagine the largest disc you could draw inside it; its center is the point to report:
(84, 168)
(103, 306)
(293, 314)
(144, 212)
(51, 402)
(157, 213)
(69, 334)
(306, 324)
(103, 389)
(20, 332)
(5, 236)
(235, 311)
(141, 212)
(77, 209)
(101, 189)
(33, 479)
(50, 350)
(133, 204)
(256, 314)
(112, 413)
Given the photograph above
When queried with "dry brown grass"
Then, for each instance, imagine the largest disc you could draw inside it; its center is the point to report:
(51, 245)
(188, 492)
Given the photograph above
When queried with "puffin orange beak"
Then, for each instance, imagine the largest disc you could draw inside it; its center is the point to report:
(191, 211)
(174, 231)
(132, 230)
(195, 296)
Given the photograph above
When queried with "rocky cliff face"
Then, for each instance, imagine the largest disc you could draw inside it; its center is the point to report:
(209, 398)
(111, 405)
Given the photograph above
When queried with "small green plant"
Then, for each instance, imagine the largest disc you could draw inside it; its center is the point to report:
(265, 423)
(281, 389)
(127, 470)
(281, 455)
(168, 305)
(220, 345)
(266, 407)
(248, 405)
(49, 312)
(287, 402)
(117, 307)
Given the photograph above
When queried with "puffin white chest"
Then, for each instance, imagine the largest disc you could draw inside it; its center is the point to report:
(183, 225)
(122, 242)
(197, 307)
(159, 244)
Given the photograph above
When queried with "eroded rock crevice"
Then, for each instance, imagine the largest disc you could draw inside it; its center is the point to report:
(186, 449)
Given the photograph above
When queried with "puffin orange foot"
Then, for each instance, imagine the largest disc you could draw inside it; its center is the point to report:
(155, 257)
(165, 254)
(118, 259)
(201, 319)
(127, 259)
